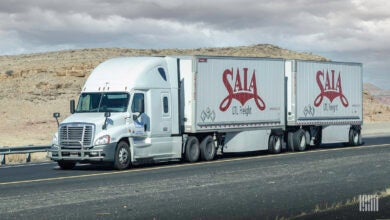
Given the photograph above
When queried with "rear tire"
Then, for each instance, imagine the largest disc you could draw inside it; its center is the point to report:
(122, 156)
(354, 137)
(66, 165)
(318, 138)
(192, 149)
(274, 144)
(290, 141)
(207, 149)
(299, 140)
(308, 138)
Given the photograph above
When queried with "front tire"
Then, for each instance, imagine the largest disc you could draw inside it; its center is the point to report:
(66, 165)
(122, 156)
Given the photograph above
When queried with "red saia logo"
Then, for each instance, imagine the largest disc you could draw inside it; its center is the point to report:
(240, 91)
(329, 89)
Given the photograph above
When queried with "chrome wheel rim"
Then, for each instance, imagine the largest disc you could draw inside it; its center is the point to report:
(303, 141)
(356, 138)
(123, 156)
(277, 144)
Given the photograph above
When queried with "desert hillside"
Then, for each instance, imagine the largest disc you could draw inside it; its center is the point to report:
(376, 103)
(33, 86)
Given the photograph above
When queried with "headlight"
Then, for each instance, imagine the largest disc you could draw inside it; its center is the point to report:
(103, 140)
(55, 139)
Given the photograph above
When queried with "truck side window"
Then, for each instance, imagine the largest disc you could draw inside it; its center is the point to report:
(162, 73)
(135, 104)
(165, 104)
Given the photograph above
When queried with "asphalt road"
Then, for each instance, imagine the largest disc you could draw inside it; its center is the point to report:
(289, 185)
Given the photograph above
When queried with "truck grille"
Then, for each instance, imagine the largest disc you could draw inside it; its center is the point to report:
(72, 135)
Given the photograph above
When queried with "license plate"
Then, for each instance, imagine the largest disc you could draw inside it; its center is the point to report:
(74, 154)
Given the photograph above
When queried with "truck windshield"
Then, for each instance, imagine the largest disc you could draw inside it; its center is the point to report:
(103, 102)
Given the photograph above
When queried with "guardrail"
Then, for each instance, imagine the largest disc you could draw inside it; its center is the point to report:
(27, 150)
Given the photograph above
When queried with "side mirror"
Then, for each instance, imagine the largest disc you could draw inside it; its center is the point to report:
(56, 115)
(72, 108)
(141, 106)
(106, 115)
(136, 115)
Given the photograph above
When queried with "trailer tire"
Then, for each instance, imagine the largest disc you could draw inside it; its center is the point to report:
(122, 156)
(308, 138)
(299, 140)
(290, 141)
(192, 149)
(66, 165)
(354, 137)
(207, 149)
(318, 138)
(274, 144)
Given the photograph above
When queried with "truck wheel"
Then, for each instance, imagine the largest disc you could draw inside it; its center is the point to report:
(192, 149)
(66, 165)
(122, 156)
(207, 149)
(308, 138)
(299, 140)
(274, 144)
(290, 141)
(318, 139)
(354, 137)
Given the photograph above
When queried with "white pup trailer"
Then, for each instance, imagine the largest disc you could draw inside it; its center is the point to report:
(324, 103)
(150, 109)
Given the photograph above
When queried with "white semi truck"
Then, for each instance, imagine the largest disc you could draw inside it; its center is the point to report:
(136, 110)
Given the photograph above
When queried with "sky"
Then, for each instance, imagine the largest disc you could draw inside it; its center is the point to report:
(341, 30)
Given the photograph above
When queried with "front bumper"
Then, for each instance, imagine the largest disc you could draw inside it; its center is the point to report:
(102, 153)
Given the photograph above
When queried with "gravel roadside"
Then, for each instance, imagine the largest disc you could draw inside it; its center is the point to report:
(376, 129)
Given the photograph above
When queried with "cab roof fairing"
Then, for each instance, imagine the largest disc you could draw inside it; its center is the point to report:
(126, 74)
